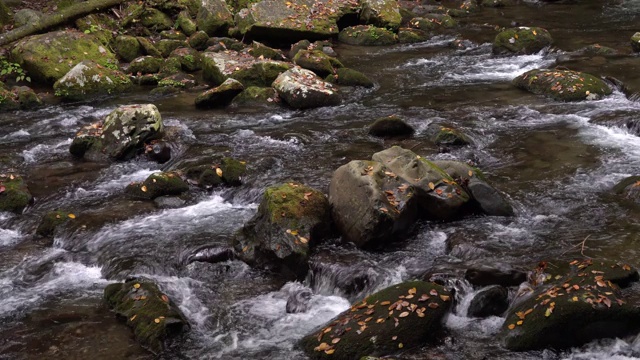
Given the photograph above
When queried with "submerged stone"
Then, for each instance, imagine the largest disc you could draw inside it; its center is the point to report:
(390, 126)
(15, 195)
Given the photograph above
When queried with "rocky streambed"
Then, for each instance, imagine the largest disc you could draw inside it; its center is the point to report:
(293, 180)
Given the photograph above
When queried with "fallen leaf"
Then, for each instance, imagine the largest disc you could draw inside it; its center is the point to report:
(136, 286)
(511, 326)
(133, 317)
(431, 186)
(384, 303)
(307, 195)
(2, 189)
(445, 298)
(433, 305)
(519, 322)
(327, 330)
(470, 173)
(322, 347)
(165, 298)
(404, 314)
(433, 292)
(157, 320)
(394, 337)
(330, 351)
(335, 341)
(400, 346)
(71, 216)
(143, 188)
(303, 240)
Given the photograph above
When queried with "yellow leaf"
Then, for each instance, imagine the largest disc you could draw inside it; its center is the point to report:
(400, 346)
(156, 320)
(412, 291)
(322, 347)
(330, 351)
(470, 173)
(511, 326)
(335, 341)
(303, 240)
(143, 188)
(219, 172)
(575, 299)
(133, 317)
(244, 249)
(404, 314)
(143, 297)
(445, 298)
(548, 312)
(534, 33)
(71, 216)
(136, 286)
(431, 186)
(294, 232)
(519, 322)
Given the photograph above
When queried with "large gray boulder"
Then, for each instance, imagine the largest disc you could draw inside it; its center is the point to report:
(241, 66)
(214, 17)
(370, 204)
(302, 89)
(88, 80)
(381, 13)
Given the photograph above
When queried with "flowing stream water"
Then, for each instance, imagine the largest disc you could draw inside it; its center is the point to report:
(557, 163)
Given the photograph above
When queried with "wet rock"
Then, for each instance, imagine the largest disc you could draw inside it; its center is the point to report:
(24, 17)
(199, 40)
(257, 96)
(209, 254)
(298, 301)
(367, 35)
(300, 45)
(220, 96)
(349, 77)
(629, 188)
(169, 202)
(173, 34)
(635, 42)
(316, 61)
(219, 66)
(186, 24)
(68, 47)
(8, 100)
(417, 311)
(51, 220)
(155, 19)
(302, 89)
(158, 151)
(148, 48)
(491, 301)
(89, 80)
(190, 59)
(170, 66)
(410, 36)
(15, 195)
(489, 276)
(381, 13)
(619, 273)
(177, 81)
(572, 310)
(214, 17)
(563, 85)
(496, 3)
(596, 50)
(262, 51)
(145, 65)
(217, 44)
(26, 97)
(291, 220)
(87, 140)
(433, 22)
(154, 318)
(128, 127)
(227, 171)
(521, 40)
(438, 194)
(390, 126)
(127, 47)
(443, 135)
(156, 185)
(370, 205)
(165, 46)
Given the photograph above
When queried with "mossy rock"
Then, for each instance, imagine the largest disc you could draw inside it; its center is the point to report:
(190, 59)
(153, 316)
(148, 47)
(48, 57)
(173, 34)
(563, 85)
(300, 45)
(400, 317)
(568, 312)
(170, 66)
(5, 14)
(619, 273)
(597, 50)
(186, 24)
(381, 13)
(635, 42)
(99, 25)
(51, 220)
(26, 97)
(496, 3)
(87, 139)
(214, 17)
(227, 171)
(410, 36)
(302, 89)
(444, 135)
(260, 50)
(349, 77)
(432, 22)
(15, 195)
(291, 219)
(629, 188)
(8, 100)
(521, 40)
(255, 95)
(199, 40)
(127, 128)
(24, 17)
(367, 35)
(166, 46)
(145, 65)
(89, 80)
(220, 96)
(316, 61)
(156, 185)
(390, 126)
(155, 20)
(127, 47)
(178, 81)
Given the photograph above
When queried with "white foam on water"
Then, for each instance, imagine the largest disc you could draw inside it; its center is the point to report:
(608, 349)
(9, 236)
(42, 151)
(250, 138)
(108, 186)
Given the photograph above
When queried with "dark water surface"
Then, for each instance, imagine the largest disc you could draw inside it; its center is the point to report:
(557, 163)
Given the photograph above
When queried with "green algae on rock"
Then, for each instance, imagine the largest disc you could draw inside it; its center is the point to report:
(521, 40)
(214, 17)
(227, 171)
(156, 185)
(563, 85)
(88, 80)
(127, 47)
(52, 220)
(254, 95)
(15, 195)
(381, 13)
(367, 35)
(145, 65)
(219, 66)
(349, 77)
(220, 96)
(402, 316)
(316, 61)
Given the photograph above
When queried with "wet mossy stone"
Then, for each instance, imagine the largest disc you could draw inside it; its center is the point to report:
(145, 65)
(199, 40)
(15, 195)
(99, 25)
(156, 185)
(397, 318)
(521, 41)
(51, 220)
(496, 3)
(490, 301)
(349, 77)
(214, 17)
(170, 66)
(26, 97)
(155, 20)
(370, 205)
(432, 22)
(443, 135)
(24, 17)
(437, 193)
(635, 42)
(390, 126)
(153, 316)
(178, 81)
(619, 273)
(87, 139)
(173, 34)
(227, 171)
(186, 24)
(8, 100)
(563, 85)
(629, 188)
(316, 61)
(89, 80)
(485, 276)
(410, 36)
(597, 50)
(190, 59)
(218, 66)
(128, 127)
(220, 96)
(568, 312)
(291, 220)
(148, 47)
(300, 45)
(127, 47)
(255, 95)
(166, 46)
(381, 13)
(303, 89)
(260, 50)
(5, 14)
(48, 57)
(367, 35)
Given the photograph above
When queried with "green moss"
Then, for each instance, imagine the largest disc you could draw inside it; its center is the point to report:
(563, 85)
(199, 40)
(521, 40)
(433, 22)
(261, 73)
(366, 35)
(127, 47)
(288, 201)
(89, 80)
(409, 36)
(158, 184)
(186, 24)
(256, 95)
(227, 171)
(450, 136)
(155, 20)
(15, 196)
(145, 65)
(349, 77)
(50, 221)
(316, 61)
(148, 47)
(166, 46)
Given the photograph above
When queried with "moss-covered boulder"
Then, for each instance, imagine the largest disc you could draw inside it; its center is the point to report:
(302, 89)
(19, 97)
(190, 59)
(177, 81)
(156, 185)
(367, 35)
(220, 96)
(153, 316)
(89, 80)
(300, 45)
(24, 17)
(521, 40)
(214, 17)
(127, 47)
(619, 273)
(316, 61)
(52, 220)
(255, 95)
(148, 47)
(490, 301)
(433, 22)
(8, 100)
(226, 171)
(400, 317)
(166, 46)
(219, 66)
(262, 51)
(444, 135)
(87, 139)
(576, 308)
(381, 13)
(173, 34)
(185, 23)
(155, 19)
(128, 127)
(390, 126)
(595, 50)
(629, 189)
(563, 85)
(145, 65)
(293, 21)
(438, 194)
(635, 42)
(291, 220)
(14, 194)
(371, 205)
(349, 77)
(99, 25)
(199, 40)
(48, 57)
(410, 36)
